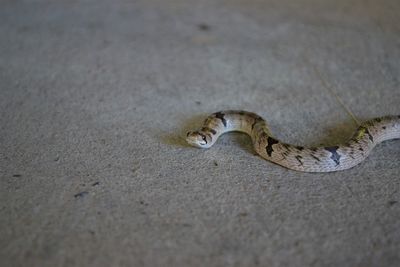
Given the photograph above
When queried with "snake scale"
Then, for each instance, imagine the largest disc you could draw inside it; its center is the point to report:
(299, 158)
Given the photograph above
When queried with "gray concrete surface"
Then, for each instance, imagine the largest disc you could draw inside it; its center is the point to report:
(95, 99)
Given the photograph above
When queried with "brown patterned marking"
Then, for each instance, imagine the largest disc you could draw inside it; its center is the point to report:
(270, 142)
(347, 144)
(262, 137)
(335, 156)
(253, 124)
(298, 157)
(208, 129)
(315, 157)
(286, 146)
(256, 120)
(221, 116)
(300, 148)
(208, 121)
(369, 135)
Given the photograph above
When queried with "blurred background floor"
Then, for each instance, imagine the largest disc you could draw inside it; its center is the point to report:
(96, 97)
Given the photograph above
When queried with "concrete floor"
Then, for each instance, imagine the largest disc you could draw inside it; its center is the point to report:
(96, 97)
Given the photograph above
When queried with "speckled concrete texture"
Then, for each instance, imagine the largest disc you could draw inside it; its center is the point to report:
(96, 97)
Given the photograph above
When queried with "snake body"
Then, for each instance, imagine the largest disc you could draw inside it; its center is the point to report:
(299, 158)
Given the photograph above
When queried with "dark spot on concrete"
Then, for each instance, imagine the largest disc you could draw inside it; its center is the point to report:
(17, 175)
(243, 214)
(383, 127)
(203, 27)
(198, 102)
(95, 183)
(271, 141)
(135, 169)
(221, 116)
(392, 202)
(335, 156)
(143, 203)
(361, 149)
(215, 163)
(81, 194)
(57, 159)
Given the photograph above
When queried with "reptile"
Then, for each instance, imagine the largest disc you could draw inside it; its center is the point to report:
(307, 159)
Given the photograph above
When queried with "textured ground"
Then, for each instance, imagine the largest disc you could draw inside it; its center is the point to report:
(95, 99)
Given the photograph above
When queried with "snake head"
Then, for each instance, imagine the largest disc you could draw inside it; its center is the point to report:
(199, 139)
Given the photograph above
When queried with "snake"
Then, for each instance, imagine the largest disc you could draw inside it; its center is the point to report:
(299, 158)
